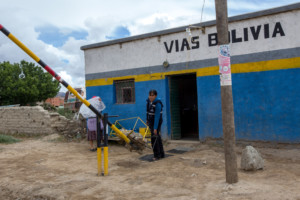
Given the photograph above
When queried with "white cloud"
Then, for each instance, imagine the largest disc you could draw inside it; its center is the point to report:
(256, 5)
(66, 77)
(99, 18)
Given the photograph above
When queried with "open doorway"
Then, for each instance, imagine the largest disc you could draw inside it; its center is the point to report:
(183, 106)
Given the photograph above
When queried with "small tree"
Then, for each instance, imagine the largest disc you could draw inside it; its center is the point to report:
(36, 85)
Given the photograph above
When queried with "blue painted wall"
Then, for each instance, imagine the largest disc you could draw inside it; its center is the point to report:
(138, 109)
(266, 106)
(209, 107)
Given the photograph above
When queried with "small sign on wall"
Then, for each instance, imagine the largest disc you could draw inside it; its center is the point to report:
(224, 65)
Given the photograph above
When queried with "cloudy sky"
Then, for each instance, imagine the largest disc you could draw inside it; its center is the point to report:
(56, 29)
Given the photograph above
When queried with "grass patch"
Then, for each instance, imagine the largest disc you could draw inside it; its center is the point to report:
(66, 112)
(7, 139)
(28, 136)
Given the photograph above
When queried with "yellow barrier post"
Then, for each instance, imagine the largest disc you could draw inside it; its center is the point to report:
(102, 138)
(105, 152)
(99, 159)
(99, 148)
(105, 148)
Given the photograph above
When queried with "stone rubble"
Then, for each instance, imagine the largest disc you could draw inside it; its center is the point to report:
(34, 121)
(251, 159)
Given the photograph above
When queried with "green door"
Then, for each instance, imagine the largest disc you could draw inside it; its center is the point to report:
(175, 108)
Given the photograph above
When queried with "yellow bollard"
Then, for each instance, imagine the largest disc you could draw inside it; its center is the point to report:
(105, 151)
(99, 161)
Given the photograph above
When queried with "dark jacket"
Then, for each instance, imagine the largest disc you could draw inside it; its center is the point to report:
(154, 112)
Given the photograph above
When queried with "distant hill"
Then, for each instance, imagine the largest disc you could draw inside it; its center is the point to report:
(61, 94)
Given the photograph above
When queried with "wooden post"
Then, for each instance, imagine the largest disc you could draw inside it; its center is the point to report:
(226, 95)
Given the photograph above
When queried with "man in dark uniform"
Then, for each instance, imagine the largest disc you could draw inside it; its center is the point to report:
(154, 121)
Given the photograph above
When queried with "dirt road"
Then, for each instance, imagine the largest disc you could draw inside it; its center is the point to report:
(44, 169)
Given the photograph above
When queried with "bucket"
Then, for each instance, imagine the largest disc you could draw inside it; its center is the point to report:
(143, 132)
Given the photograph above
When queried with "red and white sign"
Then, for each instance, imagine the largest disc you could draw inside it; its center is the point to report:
(224, 65)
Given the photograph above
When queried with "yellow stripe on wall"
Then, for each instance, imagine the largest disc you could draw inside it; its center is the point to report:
(288, 63)
(137, 78)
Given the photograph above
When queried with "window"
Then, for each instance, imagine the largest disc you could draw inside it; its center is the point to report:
(125, 91)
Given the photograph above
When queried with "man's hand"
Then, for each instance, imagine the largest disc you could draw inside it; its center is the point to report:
(155, 132)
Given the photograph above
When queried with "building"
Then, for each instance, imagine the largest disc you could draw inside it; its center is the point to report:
(183, 68)
(55, 101)
(71, 101)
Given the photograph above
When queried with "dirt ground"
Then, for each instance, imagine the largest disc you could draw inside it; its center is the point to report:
(43, 168)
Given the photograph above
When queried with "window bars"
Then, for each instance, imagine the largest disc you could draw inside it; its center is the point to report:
(125, 91)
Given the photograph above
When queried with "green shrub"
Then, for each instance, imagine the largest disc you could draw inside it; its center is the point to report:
(66, 112)
(7, 139)
(48, 107)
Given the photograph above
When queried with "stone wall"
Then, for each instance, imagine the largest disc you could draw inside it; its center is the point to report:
(35, 120)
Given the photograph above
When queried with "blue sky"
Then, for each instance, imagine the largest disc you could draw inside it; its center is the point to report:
(118, 32)
(55, 36)
(55, 30)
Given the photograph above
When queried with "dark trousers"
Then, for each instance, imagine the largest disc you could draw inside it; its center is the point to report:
(156, 142)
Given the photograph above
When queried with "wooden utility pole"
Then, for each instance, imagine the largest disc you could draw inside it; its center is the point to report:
(226, 92)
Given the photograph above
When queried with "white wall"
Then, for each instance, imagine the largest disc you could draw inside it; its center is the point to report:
(152, 52)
